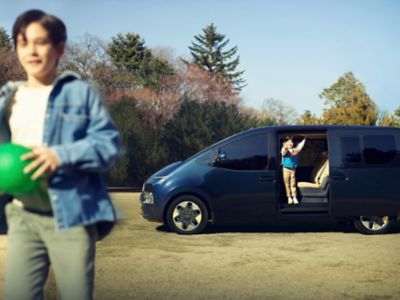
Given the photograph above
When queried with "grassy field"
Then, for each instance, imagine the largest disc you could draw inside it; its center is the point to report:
(141, 260)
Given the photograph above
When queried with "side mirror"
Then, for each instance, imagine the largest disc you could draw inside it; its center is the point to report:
(221, 156)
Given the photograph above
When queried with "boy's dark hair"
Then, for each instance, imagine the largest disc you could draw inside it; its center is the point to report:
(54, 26)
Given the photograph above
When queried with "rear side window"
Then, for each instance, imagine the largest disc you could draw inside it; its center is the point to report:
(351, 150)
(249, 153)
(379, 149)
(369, 150)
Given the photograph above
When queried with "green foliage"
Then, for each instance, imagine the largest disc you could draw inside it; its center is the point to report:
(146, 150)
(208, 52)
(5, 40)
(10, 69)
(349, 103)
(387, 119)
(129, 54)
(198, 125)
(153, 71)
(309, 118)
(140, 158)
(397, 112)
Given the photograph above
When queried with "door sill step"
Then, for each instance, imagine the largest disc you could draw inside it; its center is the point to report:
(304, 208)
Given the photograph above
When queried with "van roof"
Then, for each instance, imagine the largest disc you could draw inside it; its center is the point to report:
(319, 127)
(304, 128)
(292, 128)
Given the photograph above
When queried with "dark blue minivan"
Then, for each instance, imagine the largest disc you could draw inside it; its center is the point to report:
(351, 173)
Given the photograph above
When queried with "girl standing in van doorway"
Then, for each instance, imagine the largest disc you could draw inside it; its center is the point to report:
(290, 158)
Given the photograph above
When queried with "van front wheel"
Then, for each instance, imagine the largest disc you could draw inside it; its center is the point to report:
(373, 225)
(187, 214)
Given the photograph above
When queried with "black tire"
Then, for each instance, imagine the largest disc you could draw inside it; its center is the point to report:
(187, 214)
(373, 225)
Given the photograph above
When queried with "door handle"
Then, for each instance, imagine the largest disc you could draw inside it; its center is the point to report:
(266, 178)
(340, 177)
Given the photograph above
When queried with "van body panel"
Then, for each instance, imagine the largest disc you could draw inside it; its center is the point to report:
(241, 195)
(364, 177)
(359, 188)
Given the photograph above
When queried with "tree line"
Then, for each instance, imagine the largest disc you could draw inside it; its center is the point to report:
(168, 108)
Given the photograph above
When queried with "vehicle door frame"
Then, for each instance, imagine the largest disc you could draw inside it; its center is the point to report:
(280, 184)
(344, 178)
(271, 173)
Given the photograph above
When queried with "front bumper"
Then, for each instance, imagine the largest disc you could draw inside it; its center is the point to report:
(150, 212)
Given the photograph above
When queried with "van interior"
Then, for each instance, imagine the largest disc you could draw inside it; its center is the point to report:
(312, 174)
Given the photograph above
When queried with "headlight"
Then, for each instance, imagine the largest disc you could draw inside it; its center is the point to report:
(148, 198)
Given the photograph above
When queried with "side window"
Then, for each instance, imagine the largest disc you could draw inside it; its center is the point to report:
(379, 149)
(249, 153)
(350, 150)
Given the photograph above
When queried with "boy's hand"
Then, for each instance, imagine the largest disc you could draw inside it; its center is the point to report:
(45, 160)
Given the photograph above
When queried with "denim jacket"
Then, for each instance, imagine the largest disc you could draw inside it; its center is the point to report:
(79, 129)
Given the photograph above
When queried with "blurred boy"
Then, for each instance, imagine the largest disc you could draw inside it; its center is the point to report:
(73, 139)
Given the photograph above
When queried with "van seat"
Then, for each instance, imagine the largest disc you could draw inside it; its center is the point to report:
(317, 191)
(317, 177)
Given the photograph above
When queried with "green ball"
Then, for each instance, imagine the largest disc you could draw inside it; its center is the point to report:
(13, 181)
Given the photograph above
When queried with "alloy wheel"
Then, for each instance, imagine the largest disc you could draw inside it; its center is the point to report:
(187, 216)
(374, 223)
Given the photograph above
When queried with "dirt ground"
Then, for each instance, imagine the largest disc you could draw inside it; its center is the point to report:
(313, 260)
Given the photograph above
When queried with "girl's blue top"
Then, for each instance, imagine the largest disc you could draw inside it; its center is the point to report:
(290, 161)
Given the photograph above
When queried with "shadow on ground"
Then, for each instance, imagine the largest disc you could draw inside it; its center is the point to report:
(315, 226)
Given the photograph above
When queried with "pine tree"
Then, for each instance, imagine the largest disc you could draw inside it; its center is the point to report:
(208, 52)
(128, 52)
(130, 55)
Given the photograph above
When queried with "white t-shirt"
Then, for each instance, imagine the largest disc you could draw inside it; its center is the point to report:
(27, 117)
(28, 110)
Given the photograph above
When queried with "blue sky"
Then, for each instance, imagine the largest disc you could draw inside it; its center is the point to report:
(290, 50)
